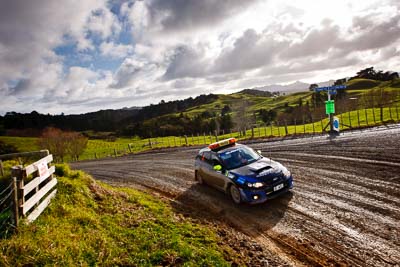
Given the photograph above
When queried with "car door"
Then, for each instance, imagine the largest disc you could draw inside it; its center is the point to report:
(215, 178)
(205, 166)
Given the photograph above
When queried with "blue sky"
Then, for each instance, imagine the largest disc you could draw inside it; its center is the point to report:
(80, 56)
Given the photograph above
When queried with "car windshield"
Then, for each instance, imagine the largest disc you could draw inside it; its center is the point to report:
(238, 157)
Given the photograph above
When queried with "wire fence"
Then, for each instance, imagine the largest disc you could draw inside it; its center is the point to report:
(6, 210)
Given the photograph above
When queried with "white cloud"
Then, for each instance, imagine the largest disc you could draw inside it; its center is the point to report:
(183, 48)
(115, 50)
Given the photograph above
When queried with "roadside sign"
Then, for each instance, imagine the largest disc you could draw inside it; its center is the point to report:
(330, 88)
(335, 124)
(330, 107)
(43, 169)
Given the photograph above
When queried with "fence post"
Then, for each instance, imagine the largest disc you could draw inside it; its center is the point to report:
(350, 120)
(397, 113)
(180, 140)
(205, 140)
(151, 146)
(286, 130)
(295, 127)
(373, 114)
(252, 132)
(390, 113)
(115, 152)
(186, 140)
(1, 168)
(17, 173)
(366, 116)
(322, 125)
(15, 202)
(270, 125)
(304, 125)
(129, 147)
(313, 127)
(95, 155)
(279, 130)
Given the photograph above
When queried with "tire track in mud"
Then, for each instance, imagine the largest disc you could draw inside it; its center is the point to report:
(344, 209)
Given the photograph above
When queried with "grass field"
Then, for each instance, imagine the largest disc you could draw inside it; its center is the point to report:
(92, 224)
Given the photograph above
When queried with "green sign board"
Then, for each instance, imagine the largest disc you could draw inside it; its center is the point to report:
(330, 107)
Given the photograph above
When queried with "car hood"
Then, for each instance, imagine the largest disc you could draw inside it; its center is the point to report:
(262, 170)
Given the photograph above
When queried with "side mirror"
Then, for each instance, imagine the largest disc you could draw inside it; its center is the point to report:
(217, 168)
(259, 152)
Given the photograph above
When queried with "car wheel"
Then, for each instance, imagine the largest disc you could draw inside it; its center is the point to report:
(198, 178)
(235, 194)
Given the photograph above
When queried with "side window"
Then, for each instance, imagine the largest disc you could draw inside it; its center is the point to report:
(214, 159)
(200, 156)
(207, 157)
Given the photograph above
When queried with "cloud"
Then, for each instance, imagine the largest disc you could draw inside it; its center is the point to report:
(30, 30)
(133, 73)
(186, 62)
(85, 54)
(250, 51)
(115, 50)
(176, 15)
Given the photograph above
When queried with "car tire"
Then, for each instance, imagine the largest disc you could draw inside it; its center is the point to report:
(235, 194)
(198, 177)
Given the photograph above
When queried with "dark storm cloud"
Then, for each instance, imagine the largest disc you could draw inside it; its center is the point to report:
(315, 42)
(368, 34)
(186, 14)
(186, 62)
(250, 51)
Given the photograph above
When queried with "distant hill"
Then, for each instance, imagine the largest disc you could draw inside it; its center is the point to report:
(202, 114)
(292, 87)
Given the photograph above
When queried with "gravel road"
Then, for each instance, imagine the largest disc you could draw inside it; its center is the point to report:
(343, 210)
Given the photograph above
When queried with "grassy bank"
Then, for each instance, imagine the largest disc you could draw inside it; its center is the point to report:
(93, 224)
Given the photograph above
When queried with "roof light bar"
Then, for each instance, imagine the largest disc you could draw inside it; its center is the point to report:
(222, 143)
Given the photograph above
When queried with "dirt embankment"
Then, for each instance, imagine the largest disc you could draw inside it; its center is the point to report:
(344, 209)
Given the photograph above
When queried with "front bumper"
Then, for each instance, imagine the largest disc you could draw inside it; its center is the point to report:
(261, 195)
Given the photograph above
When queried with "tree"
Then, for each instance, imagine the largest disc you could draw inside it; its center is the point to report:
(241, 119)
(226, 122)
(225, 110)
(267, 116)
(77, 144)
(55, 141)
(313, 86)
(61, 143)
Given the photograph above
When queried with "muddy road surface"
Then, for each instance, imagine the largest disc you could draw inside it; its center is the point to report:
(343, 210)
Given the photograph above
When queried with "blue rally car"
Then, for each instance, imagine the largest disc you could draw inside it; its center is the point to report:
(241, 172)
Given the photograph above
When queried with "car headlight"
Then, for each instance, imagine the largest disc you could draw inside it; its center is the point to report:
(286, 173)
(255, 185)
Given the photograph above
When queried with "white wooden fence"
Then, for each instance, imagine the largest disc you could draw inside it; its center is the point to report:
(33, 197)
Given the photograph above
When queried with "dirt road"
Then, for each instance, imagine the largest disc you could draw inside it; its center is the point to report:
(343, 210)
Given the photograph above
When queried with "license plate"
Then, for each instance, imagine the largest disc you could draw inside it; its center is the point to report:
(278, 187)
